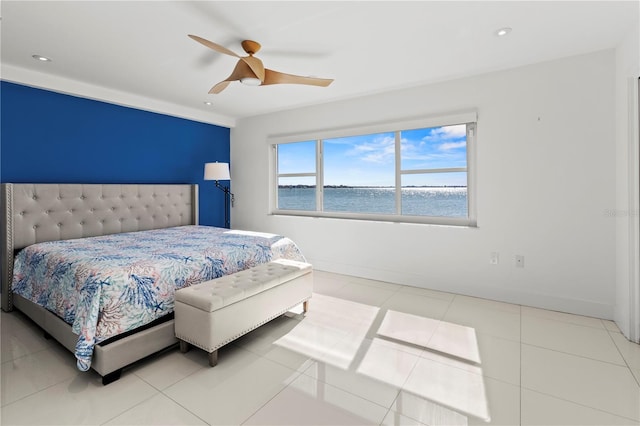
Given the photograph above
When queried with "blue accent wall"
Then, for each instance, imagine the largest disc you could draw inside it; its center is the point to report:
(48, 137)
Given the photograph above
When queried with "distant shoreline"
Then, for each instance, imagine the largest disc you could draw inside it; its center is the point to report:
(369, 186)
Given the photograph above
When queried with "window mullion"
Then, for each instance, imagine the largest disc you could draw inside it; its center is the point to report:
(319, 177)
(471, 177)
(424, 171)
(398, 174)
(296, 174)
(275, 192)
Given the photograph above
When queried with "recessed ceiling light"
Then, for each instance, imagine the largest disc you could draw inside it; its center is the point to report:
(503, 31)
(208, 103)
(41, 58)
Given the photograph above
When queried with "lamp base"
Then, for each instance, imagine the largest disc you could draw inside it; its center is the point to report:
(227, 194)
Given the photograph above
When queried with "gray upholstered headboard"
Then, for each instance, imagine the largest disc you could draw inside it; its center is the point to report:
(34, 213)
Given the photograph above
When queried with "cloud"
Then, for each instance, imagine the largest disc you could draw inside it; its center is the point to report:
(452, 132)
(447, 133)
(452, 145)
(420, 151)
(379, 150)
(434, 155)
(440, 143)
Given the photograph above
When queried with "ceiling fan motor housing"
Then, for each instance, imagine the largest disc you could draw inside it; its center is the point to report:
(251, 47)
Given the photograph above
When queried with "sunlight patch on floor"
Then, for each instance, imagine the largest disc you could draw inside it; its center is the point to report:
(335, 333)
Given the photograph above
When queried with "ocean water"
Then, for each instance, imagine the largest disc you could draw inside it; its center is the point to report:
(423, 201)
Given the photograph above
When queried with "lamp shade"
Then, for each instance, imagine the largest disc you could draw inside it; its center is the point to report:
(216, 171)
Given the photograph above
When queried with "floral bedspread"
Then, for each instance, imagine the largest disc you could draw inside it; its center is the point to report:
(105, 286)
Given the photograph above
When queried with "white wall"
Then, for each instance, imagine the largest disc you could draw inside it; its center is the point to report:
(627, 158)
(546, 173)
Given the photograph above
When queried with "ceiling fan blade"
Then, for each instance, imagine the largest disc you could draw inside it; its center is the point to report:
(276, 77)
(219, 87)
(214, 46)
(241, 71)
(256, 66)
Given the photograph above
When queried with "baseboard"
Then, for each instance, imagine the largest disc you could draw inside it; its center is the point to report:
(500, 293)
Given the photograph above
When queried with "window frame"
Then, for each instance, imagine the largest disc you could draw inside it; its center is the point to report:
(470, 118)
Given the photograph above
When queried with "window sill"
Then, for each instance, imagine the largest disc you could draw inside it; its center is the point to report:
(423, 220)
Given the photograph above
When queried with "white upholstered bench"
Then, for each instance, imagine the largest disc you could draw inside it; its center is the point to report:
(213, 313)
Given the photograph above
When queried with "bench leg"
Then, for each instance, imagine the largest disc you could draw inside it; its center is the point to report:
(184, 346)
(213, 358)
(305, 306)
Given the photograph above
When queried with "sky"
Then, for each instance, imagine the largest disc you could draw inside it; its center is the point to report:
(369, 160)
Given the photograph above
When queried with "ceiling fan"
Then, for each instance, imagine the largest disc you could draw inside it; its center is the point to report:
(250, 71)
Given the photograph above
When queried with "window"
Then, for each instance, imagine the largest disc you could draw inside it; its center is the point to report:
(297, 176)
(359, 175)
(420, 171)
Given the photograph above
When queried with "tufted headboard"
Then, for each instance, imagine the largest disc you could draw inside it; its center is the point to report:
(34, 213)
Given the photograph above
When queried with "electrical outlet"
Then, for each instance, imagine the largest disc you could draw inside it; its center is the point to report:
(519, 261)
(494, 259)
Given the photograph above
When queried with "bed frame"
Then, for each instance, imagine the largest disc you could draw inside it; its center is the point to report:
(34, 213)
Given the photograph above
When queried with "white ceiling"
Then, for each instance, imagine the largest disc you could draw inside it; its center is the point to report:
(138, 53)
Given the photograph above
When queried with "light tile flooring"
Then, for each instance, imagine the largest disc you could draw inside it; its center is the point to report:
(367, 352)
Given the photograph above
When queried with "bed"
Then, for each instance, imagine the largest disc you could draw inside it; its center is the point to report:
(97, 265)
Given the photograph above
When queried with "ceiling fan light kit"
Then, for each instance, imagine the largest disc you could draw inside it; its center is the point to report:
(250, 71)
(251, 81)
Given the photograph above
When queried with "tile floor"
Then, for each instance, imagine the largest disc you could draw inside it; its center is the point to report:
(367, 352)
